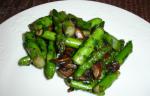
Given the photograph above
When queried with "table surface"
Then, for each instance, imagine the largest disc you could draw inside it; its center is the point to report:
(9, 8)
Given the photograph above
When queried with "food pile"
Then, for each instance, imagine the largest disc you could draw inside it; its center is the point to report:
(81, 52)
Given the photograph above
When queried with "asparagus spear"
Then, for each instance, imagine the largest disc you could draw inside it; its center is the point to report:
(86, 33)
(95, 22)
(51, 51)
(46, 21)
(60, 42)
(124, 53)
(88, 47)
(28, 36)
(106, 82)
(113, 54)
(62, 16)
(54, 15)
(72, 17)
(58, 17)
(83, 24)
(111, 58)
(60, 36)
(69, 28)
(80, 22)
(41, 23)
(96, 56)
(57, 20)
(114, 42)
(80, 85)
(35, 54)
(48, 35)
(73, 42)
(25, 61)
(53, 12)
(50, 67)
(43, 46)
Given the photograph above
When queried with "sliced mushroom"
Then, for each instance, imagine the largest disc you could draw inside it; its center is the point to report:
(83, 78)
(72, 66)
(79, 34)
(68, 51)
(97, 69)
(65, 73)
(88, 75)
(66, 70)
(113, 67)
(63, 60)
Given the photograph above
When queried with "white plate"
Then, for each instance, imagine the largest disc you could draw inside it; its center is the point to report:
(29, 81)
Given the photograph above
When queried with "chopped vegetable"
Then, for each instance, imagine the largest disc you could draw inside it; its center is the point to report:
(81, 52)
(88, 47)
(25, 61)
(73, 42)
(123, 54)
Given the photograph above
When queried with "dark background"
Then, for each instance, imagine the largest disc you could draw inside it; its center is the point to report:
(9, 8)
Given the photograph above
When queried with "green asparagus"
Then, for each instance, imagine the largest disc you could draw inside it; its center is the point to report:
(80, 51)
(51, 52)
(95, 56)
(69, 28)
(25, 61)
(114, 42)
(43, 46)
(50, 67)
(88, 47)
(48, 35)
(95, 22)
(41, 23)
(124, 53)
(106, 82)
(80, 22)
(35, 54)
(29, 36)
(80, 85)
(72, 42)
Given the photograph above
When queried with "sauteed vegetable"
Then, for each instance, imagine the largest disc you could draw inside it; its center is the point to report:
(81, 52)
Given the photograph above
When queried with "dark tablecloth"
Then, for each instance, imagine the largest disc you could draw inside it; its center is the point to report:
(9, 8)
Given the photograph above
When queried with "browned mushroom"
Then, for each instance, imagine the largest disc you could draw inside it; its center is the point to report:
(68, 51)
(65, 73)
(113, 67)
(83, 78)
(88, 75)
(79, 34)
(97, 69)
(66, 70)
(72, 66)
(63, 60)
